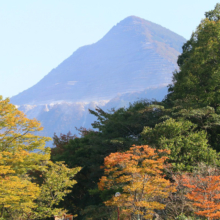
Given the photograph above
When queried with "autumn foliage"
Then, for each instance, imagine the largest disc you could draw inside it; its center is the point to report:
(22, 154)
(205, 194)
(138, 174)
(17, 192)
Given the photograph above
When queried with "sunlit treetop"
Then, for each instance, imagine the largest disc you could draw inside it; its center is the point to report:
(17, 131)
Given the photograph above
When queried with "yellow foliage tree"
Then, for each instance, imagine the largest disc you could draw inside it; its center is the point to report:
(22, 154)
(17, 192)
(137, 173)
(17, 131)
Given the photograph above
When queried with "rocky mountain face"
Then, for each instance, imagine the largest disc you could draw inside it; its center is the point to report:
(135, 59)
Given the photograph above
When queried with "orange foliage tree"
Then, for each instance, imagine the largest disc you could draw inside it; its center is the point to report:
(205, 194)
(137, 174)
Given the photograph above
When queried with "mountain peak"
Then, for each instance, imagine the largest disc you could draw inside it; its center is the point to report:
(134, 55)
(135, 29)
(132, 20)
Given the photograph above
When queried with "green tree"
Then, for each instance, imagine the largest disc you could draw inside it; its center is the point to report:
(197, 83)
(128, 122)
(187, 145)
(57, 182)
(195, 92)
(206, 119)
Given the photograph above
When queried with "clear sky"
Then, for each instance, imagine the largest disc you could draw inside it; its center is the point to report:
(37, 35)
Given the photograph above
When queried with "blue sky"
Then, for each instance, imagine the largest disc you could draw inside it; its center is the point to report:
(37, 35)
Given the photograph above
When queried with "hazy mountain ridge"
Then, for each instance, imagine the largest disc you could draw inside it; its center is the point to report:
(63, 116)
(133, 61)
(132, 56)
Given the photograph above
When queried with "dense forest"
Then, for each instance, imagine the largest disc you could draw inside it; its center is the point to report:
(152, 160)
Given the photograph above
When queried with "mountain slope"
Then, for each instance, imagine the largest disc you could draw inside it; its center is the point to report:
(134, 55)
(66, 116)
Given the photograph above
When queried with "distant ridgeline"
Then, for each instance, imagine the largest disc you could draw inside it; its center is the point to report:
(133, 61)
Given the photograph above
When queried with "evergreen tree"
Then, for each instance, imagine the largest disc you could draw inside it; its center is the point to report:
(197, 83)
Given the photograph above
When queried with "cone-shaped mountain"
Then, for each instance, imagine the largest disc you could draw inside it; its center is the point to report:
(134, 55)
